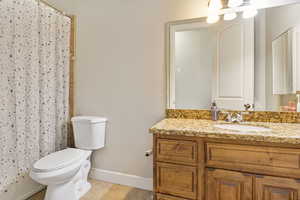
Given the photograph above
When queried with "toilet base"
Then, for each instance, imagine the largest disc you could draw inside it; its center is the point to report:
(84, 189)
(62, 191)
(74, 189)
(67, 191)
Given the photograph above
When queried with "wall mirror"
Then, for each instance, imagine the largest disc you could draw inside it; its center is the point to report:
(251, 64)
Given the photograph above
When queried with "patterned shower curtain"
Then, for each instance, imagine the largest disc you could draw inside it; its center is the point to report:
(34, 85)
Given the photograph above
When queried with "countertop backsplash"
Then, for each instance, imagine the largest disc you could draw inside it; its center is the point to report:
(253, 116)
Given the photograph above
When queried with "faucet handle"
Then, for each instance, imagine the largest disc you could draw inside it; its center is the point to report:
(247, 106)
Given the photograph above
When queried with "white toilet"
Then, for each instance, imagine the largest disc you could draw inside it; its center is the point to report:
(65, 172)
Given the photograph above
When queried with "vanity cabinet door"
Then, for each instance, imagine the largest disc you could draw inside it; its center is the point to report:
(177, 180)
(228, 185)
(273, 188)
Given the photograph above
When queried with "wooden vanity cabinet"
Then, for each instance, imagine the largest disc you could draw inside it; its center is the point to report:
(189, 168)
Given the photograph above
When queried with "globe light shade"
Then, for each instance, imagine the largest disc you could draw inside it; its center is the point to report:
(213, 18)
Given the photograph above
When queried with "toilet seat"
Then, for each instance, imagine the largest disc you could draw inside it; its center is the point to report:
(60, 160)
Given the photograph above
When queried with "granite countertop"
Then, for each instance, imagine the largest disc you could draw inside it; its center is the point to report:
(287, 133)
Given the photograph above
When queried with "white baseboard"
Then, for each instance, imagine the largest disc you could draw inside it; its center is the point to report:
(122, 179)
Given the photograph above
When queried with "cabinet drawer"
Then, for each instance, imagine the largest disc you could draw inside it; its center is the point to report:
(176, 180)
(270, 160)
(178, 151)
(167, 197)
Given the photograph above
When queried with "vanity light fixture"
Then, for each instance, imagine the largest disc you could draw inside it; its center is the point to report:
(215, 8)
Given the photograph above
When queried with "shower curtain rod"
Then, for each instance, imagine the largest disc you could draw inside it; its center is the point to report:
(53, 7)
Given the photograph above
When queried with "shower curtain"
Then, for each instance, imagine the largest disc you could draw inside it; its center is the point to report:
(34, 85)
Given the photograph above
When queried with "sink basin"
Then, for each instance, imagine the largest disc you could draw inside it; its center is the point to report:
(242, 128)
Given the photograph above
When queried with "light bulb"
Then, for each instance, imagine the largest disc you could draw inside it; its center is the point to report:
(230, 16)
(251, 11)
(213, 18)
(215, 5)
(235, 3)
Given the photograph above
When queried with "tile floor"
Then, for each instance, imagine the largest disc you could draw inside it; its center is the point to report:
(109, 191)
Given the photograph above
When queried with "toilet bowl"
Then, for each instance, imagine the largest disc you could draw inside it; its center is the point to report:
(65, 172)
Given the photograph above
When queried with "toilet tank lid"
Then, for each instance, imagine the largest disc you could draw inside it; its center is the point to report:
(89, 119)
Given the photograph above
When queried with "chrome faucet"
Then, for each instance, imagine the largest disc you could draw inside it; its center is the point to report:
(235, 117)
(228, 116)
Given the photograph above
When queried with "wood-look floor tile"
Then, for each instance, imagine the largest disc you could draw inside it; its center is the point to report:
(108, 191)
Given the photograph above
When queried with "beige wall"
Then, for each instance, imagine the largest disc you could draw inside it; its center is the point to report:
(121, 74)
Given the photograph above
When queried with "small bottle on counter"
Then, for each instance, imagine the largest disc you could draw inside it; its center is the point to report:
(214, 112)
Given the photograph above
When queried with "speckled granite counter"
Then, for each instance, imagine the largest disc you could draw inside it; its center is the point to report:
(281, 132)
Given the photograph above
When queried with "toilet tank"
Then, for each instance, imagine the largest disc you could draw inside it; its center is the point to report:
(89, 132)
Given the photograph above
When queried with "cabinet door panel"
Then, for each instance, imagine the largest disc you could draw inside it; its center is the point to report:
(273, 188)
(228, 185)
(177, 180)
(234, 58)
